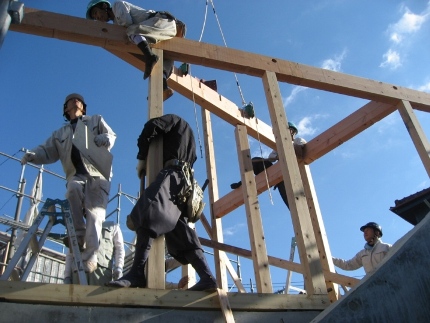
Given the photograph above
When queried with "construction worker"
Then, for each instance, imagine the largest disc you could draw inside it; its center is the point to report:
(87, 189)
(374, 250)
(161, 209)
(110, 258)
(260, 164)
(144, 27)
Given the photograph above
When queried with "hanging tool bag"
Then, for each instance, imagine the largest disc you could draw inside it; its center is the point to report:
(195, 204)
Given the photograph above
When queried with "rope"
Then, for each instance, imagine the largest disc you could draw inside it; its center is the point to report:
(204, 22)
(195, 115)
(225, 44)
(242, 98)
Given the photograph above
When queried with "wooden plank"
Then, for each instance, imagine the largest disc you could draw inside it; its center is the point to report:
(225, 306)
(319, 229)
(48, 24)
(216, 232)
(76, 295)
(305, 237)
(253, 214)
(416, 132)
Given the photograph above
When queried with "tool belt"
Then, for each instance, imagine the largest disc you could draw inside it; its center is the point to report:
(192, 193)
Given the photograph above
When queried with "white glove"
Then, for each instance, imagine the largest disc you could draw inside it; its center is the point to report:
(117, 273)
(28, 157)
(102, 140)
(141, 168)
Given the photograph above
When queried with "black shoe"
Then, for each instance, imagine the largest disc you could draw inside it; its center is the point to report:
(129, 280)
(149, 64)
(236, 185)
(206, 285)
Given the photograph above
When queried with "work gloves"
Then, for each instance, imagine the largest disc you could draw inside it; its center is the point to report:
(117, 273)
(28, 157)
(102, 140)
(141, 168)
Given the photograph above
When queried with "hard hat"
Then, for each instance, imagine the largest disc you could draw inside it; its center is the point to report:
(373, 225)
(293, 126)
(93, 3)
(74, 96)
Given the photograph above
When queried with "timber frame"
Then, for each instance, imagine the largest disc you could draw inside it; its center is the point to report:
(315, 257)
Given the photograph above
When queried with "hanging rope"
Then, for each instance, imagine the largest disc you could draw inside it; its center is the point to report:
(225, 44)
(248, 109)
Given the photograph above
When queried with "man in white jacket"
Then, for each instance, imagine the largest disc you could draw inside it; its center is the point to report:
(374, 250)
(144, 27)
(87, 189)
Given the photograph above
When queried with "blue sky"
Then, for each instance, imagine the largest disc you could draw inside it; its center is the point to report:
(358, 182)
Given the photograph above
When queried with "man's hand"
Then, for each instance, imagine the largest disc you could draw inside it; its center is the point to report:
(28, 157)
(117, 273)
(183, 282)
(102, 140)
(141, 168)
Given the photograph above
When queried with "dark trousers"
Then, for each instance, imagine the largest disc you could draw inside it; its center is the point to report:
(259, 165)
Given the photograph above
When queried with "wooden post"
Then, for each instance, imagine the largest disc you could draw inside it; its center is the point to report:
(253, 215)
(305, 237)
(416, 132)
(216, 224)
(154, 165)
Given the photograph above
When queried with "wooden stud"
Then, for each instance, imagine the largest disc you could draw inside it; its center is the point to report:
(253, 215)
(216, 231)
(305, 237)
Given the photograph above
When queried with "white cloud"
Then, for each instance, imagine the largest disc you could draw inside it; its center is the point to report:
(233, 230)
(296, 90)
(424, 88)
(400, 32)
(334, 64)
(391, 59)
(305, 126)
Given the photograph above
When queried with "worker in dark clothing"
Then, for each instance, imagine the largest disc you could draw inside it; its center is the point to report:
(260, 164)
(162, 208)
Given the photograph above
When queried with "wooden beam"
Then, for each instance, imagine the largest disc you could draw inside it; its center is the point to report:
(80, 30)
(77, 295)
(416, 132)
(193, 89)
(305, 237)
(330, 139)
(346, 129)
(273, 261)
(157, 253)
(216, 232)
(253, 214)
(319, 229)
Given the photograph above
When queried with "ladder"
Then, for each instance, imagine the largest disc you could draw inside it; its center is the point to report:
(31, 240)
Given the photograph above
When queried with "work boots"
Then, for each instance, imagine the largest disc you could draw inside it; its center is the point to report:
(136, 275)
(197, 259)
(149, 58)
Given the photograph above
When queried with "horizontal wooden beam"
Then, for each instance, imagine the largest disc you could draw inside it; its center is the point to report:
(77, 295)
(80, 30)
(273, 261)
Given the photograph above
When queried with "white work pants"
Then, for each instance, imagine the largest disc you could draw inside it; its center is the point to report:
(88, 197)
